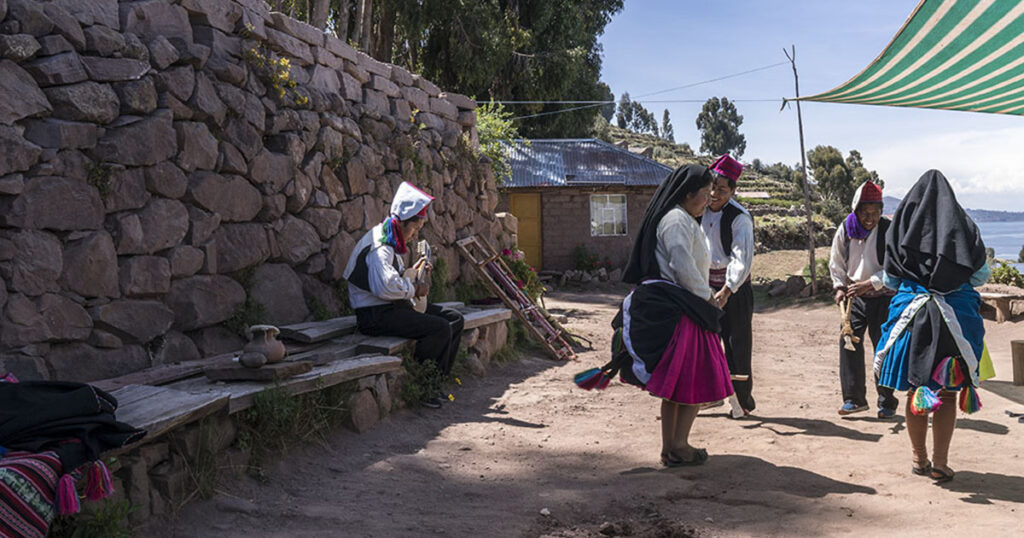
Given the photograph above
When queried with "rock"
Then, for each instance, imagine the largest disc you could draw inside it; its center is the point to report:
(615, 275)
(161, 224)
(154, 18)
(134, 321)
(185, 261)
(470, 338)
(145, 275)
(363, 411)
(205, 300)
(806, 292)
(475, 365)
(16, 153)
(299, 192)
(198, 148)
(37, 264)
(777, 288)
(103, 41)
(137, 97)
(338, 252)
(162, 53)
(104, 340)
(13, 184)
(355, 177)
(795, 285)
(430, 121)
(114, 69)
(231, 160)
(203, 225)
(278, 288)
(296, 28)
(298, 240)
(206, 102)
(216, 13)
(55, 203)
(326, 221)
(31, 16)
(90, 12)
(90, 266)
(417, 98)
(602, 274)
(87, 101)
(65, 25)
(216, 341)
(56, 70)
(84, 363)
(22, 324)
(127, 190)
(243, 136)
(234, 198)
(59, 134)
(167, 180)
(290, 46)
(18, 47)
(178, 81)
(20, 97)
(142, 143)
(443, 108)
(176, 348)
(54, 44)
(272, 171)
(240, 246)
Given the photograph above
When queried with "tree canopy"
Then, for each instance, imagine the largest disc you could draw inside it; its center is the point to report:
(667, 132)
(838, 178)
(633, 116)
(536, 50)
(719, 126)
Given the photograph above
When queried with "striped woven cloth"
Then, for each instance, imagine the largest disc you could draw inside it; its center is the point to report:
(28, 486)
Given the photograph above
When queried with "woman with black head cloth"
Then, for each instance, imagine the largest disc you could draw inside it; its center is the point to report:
(934, 258)
(667, 329)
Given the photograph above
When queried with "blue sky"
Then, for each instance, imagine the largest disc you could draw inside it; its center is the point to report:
(657, 44)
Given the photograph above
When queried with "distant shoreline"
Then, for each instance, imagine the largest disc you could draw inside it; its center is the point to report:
(978, 215)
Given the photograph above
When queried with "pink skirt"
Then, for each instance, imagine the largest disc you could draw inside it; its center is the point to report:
(693, 369)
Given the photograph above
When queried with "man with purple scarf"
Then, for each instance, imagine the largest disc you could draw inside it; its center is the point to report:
(858, 250)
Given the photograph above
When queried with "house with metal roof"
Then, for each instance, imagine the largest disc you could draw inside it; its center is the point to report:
(568, 193)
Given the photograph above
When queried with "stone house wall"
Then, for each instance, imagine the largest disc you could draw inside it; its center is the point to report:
(154, 179)
(565, 224)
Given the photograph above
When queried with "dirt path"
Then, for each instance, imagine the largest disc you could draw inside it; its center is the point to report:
(523, 440)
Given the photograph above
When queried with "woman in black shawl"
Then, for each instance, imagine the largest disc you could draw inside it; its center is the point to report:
(932, 342)
(667, 329)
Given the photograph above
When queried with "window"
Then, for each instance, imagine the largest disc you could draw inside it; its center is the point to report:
(607, 214)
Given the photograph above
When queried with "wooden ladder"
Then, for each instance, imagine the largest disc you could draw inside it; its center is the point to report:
(496, 275)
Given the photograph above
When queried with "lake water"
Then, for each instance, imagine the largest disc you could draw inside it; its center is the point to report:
(1006, 238)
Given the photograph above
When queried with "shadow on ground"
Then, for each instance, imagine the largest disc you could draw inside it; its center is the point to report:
(811, 426)
(983, 488)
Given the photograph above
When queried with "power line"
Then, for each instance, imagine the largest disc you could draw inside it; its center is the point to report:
(756, 69)
(773, 99)
(603, 103)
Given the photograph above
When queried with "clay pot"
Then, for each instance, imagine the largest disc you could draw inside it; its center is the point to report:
(262, 339)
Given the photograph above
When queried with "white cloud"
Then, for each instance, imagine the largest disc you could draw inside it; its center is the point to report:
(984, 166)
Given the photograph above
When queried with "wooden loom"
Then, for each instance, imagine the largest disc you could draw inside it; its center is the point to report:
(496, 275)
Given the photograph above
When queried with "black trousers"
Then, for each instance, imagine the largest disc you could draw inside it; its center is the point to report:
(867, 314)
(737, 335)
(437, 331)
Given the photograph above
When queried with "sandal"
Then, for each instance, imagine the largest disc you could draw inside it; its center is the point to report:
(922, 469)
(671, 459)
(942, 475)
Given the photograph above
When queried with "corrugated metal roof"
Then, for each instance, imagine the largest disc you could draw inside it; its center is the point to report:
(579, 162)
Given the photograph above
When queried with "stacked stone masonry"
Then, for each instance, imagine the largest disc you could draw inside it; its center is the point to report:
(153, 179)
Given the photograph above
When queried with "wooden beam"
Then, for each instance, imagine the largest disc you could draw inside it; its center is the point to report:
(385, 345)
(486, 317)
(1017, 349)
(318, 331)
(278, 371)
(160, 409)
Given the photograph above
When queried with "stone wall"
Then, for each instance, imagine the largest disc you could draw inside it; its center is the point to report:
(565, 224)
(161, 170)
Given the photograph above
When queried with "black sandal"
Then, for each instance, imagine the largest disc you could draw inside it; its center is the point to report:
(671, 459)
(941, 476)
(924, 469)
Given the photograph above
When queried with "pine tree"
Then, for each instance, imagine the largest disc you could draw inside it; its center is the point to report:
(666, 128)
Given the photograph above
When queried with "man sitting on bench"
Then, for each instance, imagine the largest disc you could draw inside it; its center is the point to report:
(382, 297)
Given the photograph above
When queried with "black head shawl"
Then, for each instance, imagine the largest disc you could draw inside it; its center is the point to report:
(932, 241)
(684, 180)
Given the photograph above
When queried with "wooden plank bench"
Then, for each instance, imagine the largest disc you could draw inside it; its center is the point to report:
(159, 410)
(240, 395)
(1001, 303)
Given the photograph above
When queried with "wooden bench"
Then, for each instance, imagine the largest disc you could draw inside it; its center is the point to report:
(166, 397)
(1001, 303)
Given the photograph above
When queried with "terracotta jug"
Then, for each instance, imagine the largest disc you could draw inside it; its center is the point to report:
(262, 339)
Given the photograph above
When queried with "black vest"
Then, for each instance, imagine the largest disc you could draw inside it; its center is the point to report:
(729, 214)
(360, 276)
(883, 227)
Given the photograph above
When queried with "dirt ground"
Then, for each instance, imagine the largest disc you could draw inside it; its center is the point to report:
(524, 453)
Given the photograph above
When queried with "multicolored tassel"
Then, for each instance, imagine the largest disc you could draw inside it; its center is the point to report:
(67, 497)
(969, 400)
(392, 235)
(592, 379)
(941, 373)
(100, 485)
(924, 401)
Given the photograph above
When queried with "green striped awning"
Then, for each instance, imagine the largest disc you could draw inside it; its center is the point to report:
(950, 54)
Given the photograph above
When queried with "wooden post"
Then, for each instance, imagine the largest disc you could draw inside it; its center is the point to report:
(1017, 348)
(803, 170)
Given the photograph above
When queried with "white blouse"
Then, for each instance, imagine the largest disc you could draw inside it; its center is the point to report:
(739, 261)
(682, 252)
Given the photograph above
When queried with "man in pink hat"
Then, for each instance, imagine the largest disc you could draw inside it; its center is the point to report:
(730, 231)
(858, 250)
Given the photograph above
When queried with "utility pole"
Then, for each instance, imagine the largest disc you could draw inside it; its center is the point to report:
(803, 169)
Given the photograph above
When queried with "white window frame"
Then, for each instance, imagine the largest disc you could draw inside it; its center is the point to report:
(603, 203)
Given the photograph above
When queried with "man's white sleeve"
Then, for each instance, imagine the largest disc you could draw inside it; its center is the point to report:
(741, 259)
(385, 282)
